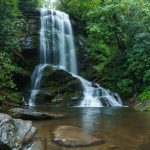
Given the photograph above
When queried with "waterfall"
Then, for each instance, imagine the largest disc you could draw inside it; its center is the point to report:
(57, 48)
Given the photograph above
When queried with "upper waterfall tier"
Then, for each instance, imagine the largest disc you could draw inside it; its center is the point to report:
(56, 40)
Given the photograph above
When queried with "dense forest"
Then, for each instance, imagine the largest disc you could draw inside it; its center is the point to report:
(74, 74)
(112, 39)
(13, 28)
(116, 35)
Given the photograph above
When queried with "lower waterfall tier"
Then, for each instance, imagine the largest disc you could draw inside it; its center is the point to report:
(58, 86)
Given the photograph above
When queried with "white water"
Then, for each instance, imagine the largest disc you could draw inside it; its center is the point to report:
(97, 96)
(36, 80)
(57, 48)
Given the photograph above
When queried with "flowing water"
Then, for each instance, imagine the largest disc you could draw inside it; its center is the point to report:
(57, 48)
(121, 128)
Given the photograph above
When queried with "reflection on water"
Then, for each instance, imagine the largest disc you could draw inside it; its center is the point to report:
(122, 128)
(93, 117)
(89, 117)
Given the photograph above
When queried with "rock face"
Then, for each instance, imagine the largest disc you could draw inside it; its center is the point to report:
(15, 132)
(85, 64)
(31, 40)
(33, 115)
(29, 45)
(59, 86)
(71, 136)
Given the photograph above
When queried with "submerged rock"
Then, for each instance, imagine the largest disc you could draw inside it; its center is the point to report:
(33, 115)
(36, 144)
(15, 132)
(71, 136)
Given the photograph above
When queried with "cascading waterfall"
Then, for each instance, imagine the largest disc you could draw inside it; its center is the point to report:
(35, 83)
(96, 96)
(57, 48)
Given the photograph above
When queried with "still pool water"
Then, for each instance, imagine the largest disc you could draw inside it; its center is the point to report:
(121, 128)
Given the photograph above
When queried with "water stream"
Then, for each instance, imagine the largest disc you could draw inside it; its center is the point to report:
(57, 48)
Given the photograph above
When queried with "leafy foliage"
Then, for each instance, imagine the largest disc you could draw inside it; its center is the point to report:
(11, 33)
(7, 86)
(145, 94)
(9, 45)
(5, 75)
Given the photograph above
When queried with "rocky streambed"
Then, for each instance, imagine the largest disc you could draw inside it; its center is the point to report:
(20, 134)
(73, 128)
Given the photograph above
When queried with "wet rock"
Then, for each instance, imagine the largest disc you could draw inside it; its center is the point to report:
(33, 115)
(71, 136)
(4, 146)
(85, 67)
(36, 144)
(15, 132)
(29, 42)
(21, 78)
(59, 86)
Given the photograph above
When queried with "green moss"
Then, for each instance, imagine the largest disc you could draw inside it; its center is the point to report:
(145, 94)
(59, 86)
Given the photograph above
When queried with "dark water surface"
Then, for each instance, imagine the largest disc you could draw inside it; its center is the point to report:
(121, 128)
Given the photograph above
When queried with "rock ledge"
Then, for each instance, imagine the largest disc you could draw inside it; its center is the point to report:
(33, 115)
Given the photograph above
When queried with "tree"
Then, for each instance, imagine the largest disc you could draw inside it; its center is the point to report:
(117, 34)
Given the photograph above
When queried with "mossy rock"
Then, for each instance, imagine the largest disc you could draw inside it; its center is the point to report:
(59, 87)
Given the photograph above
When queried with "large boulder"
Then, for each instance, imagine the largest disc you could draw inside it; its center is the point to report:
(71, 136)
(59, 86)
(15, 132)
(33, 115)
